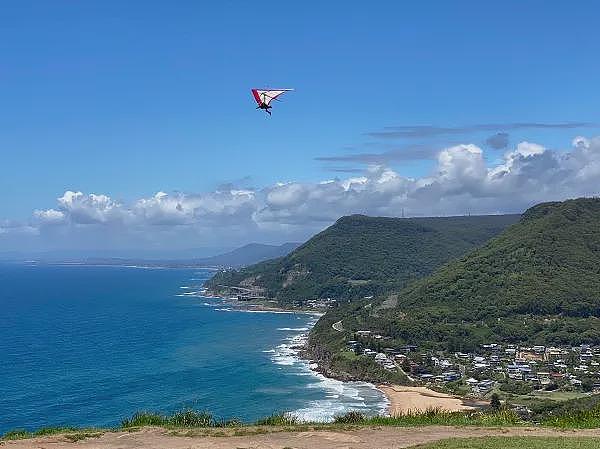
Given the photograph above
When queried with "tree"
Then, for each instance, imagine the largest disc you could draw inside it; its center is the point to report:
(495, 401)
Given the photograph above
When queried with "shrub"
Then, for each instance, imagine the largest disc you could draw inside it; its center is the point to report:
(495, 401)
(351, 417)
(191, 418)
(278, 419)
(140, 419)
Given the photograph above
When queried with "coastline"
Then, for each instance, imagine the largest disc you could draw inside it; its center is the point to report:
(254, 306)
(405, 400)
(341, 395)
(399, 399)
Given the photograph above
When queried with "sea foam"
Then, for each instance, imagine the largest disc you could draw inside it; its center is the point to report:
(340, 397)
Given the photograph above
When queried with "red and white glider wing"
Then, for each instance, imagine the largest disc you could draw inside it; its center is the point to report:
(265, 96)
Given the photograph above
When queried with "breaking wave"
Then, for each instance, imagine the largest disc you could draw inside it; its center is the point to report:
(340, 397)
(334, 397)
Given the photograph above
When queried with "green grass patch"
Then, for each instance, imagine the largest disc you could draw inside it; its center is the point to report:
(436, 417)
(575, 419)
(278, 419)
(572, 415)
(19, 434)
(513, 443)
(184, 418)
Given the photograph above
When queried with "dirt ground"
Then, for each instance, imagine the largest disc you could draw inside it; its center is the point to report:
(365, 438)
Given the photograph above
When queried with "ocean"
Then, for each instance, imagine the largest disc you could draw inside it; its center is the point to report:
(89, 346)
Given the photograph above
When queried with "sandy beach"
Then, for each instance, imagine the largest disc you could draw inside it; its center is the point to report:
(410, 399)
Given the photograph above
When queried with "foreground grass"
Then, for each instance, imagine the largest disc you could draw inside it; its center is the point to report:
(203, 423)
(513, 443)
(70, 433)
(207, 424)
(576, 419)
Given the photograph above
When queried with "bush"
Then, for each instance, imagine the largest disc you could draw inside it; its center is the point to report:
(191, 418)
(521, 388)
(140, 419)
(278, 419)
(352, 417)
(495, 401)
(184, 418)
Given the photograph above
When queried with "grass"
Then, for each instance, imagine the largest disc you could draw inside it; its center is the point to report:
(435, 416)
(70, 433)
(537, 398)
(513, 443)
(203, 423)
(575, 419)
(183, 419)
(278, 419)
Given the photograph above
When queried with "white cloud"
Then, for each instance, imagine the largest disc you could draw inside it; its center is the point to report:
(11, 228)
(460, 182)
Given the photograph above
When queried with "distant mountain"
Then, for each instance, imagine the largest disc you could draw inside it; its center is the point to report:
(538, 282)
(109, 254)
(360, 256)
(248, 254)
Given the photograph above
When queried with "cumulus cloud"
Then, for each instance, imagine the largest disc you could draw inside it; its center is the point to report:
(460, 182)
(425, 140)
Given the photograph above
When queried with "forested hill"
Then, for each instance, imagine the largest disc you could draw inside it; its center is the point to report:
(537, 282)
(361, 256)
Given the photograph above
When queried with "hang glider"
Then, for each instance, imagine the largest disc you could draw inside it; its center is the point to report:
(264, 97)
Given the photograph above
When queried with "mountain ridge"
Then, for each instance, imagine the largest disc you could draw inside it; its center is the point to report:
(538, 282)
(362, 256)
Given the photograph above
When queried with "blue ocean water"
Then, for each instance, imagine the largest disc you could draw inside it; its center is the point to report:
(88, 346)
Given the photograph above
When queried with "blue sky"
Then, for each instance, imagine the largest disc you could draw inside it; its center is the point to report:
(126, 99)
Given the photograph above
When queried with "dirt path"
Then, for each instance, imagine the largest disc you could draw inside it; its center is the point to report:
(366, 438)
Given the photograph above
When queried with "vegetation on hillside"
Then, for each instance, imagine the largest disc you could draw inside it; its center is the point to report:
(538, 282)
(361, 256)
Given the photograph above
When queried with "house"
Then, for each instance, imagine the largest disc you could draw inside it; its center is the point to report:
(530, 354)
(544, 377)
(450, 376)
(380, 358)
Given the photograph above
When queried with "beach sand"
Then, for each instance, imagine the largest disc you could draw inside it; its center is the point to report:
(410, 399)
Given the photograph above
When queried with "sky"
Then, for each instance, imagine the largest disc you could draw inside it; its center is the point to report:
(130, 125)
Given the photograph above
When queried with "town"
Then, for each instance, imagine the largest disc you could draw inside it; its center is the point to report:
(509, 368)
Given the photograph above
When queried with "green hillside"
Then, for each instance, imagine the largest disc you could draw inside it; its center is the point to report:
(538, 282)
(361, 256)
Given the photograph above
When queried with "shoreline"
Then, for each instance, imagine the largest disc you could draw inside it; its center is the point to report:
(399, 399)
(254, 306)
(409, 399)
(341, 395)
